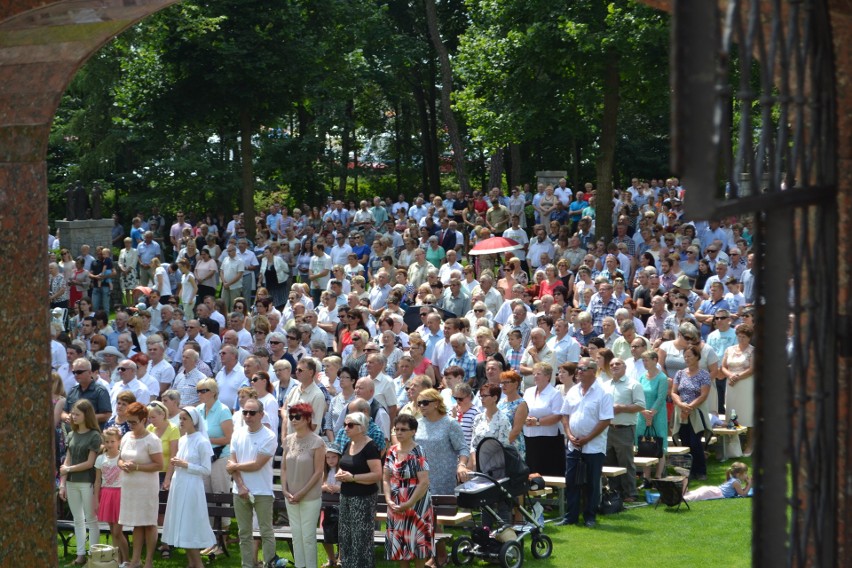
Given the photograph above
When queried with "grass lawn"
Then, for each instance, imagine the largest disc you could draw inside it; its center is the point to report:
(712, 533)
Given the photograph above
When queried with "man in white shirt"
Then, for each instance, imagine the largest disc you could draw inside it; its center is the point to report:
(250, 466)
(540, 245)
(401, 204)
(158, 367)
(340, 252)
(230, 376)
(383, 384)
(319, 272)
(193, 333)
(564, 346)
(128, 382)
(252, 266)
(452, 264)
(516, 233)
(589, 409)
(418, 211)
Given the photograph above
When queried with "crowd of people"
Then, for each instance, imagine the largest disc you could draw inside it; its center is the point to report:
(367, 347)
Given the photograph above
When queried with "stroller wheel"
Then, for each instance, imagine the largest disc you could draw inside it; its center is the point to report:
(542, 546)
(511, 555)
(462, 552)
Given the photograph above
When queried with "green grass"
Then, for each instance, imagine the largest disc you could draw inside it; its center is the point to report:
(712, 533)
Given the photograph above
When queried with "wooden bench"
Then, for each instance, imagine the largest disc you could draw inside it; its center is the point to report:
(444, 506)
(219, 506)
(557, 483)
(677, 450)
(645, 462)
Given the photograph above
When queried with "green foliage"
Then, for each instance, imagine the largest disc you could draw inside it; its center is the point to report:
(155, 116)
(532, 73)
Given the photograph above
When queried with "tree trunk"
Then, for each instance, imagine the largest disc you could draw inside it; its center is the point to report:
(606, 158)
(397, 143)
(446, 93)
(575, 166)
(495, 172)
(514, 169)
(430, 156)
(346, 146)
(247, 171)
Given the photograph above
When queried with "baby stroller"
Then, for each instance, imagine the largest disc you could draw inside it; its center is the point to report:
(501, 475)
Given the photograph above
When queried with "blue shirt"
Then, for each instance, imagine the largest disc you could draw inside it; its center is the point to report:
(147, 252)
(218, 413)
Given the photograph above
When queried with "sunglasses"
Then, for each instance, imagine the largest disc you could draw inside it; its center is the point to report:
(458, 398)
(349, 425)
(721, 317)
(586, 368)
(680, 305)
(121, 369)
(202, 391)
(254, 380)
(251, 412)
(422, 403)
(294, 417)
(292, 337)
(79, 372)
(276, 342)
(131, 423)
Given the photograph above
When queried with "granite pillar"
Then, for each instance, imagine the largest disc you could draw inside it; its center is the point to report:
(42, 44)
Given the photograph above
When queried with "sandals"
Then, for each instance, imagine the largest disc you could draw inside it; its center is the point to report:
(166, 553)
(330, 564)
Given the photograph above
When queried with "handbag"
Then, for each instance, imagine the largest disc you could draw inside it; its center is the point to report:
(102, 556)
(611, 502)
(650, 445)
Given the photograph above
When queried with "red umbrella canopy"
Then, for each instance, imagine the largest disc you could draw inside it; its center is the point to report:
(494, 245)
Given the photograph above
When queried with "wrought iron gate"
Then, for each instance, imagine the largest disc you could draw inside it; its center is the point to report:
(755, 132)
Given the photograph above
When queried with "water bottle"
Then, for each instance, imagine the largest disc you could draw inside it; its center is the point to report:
(732, 419)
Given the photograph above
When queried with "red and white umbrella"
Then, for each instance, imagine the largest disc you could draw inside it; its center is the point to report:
(494, 245)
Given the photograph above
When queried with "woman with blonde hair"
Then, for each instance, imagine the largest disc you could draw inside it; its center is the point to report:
(354, 355)
(161, 280)
(422, 365)
(168, 433)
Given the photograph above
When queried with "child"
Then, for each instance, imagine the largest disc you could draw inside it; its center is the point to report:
(108, 489)
(735, 299)
(330, 513)
(738, 484)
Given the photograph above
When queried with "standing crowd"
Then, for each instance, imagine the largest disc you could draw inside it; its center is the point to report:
(367, 349)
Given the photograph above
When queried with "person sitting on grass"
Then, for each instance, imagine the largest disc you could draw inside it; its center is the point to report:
(737, 484)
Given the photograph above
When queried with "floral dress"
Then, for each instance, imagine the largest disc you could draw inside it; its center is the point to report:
(509, 408)
(498, 427)
(411, 533)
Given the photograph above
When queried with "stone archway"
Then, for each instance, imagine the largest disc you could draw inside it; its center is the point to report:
(42, 45)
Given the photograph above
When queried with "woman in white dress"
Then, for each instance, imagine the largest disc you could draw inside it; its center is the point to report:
(185, 524)
(738, 368)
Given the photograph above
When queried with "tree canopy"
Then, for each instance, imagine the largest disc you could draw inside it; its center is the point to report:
(219, 105)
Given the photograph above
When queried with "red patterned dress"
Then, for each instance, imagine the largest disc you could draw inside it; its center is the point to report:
(411, 533)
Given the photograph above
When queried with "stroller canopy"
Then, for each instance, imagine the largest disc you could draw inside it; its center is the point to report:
(498, 461)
